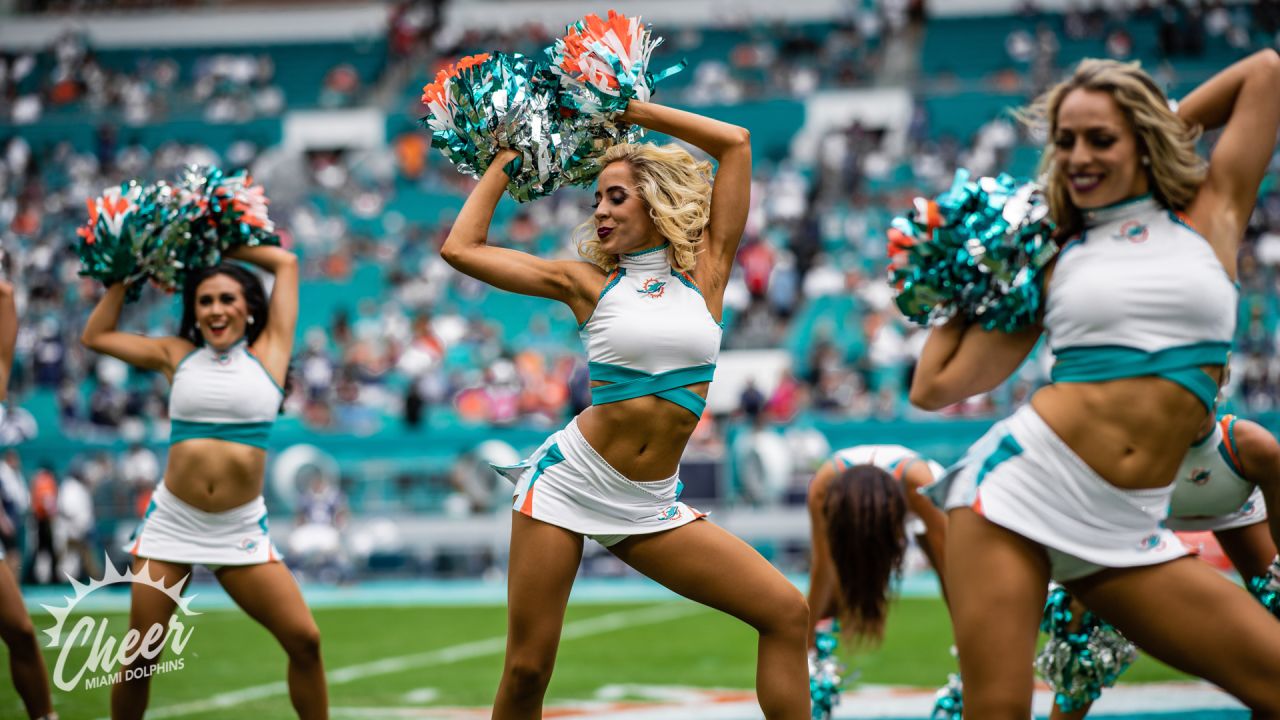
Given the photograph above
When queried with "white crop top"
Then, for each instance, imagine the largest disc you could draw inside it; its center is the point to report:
(1140, 293)
(893, 459)
(1211, 481)
(650, 334)
(224, 395)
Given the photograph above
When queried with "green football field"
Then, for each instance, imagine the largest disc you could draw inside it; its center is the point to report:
(415, 657)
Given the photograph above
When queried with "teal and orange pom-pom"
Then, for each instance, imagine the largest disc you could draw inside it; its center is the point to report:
(227, 209)
(602, 65)
(124, 227)
(487, 102)
(158, 233)
(1078, 662)
(978, 250)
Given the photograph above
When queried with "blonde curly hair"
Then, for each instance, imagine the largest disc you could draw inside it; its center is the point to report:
(675, 186)
(1175, 171)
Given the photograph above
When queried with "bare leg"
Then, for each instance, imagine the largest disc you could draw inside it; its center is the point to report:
(147, 607)
(1187, 615)
(996, 582)
(705, 563)
(543, 562)
(26, 664)
(1249, 548)
(269, 594)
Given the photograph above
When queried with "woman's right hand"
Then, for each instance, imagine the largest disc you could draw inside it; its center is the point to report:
(467, 249)
(100, 335)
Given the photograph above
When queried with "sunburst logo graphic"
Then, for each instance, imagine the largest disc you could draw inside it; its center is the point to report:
(109, 653)
(652, 288)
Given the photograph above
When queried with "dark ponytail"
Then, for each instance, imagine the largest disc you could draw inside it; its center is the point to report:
(865, 512)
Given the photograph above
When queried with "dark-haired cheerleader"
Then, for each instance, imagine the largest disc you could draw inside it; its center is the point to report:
(227, 366)
(863, 503)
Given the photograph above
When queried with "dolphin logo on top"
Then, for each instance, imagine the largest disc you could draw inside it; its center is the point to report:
(1133, 231)
(652, 287)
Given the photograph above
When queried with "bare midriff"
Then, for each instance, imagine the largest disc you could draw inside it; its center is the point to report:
(642, 438)
(1133, 432)
(215, 475)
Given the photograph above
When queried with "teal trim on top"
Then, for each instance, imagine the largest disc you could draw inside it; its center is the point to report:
(1229, 439)
(264, 369)
(1006, 450)
(1178, 220)
(1099, 363)
(1072, 243)
(627, 383)
(650, 251)
(254, 433)
(621, 271)
(186, 358)
(686, 281)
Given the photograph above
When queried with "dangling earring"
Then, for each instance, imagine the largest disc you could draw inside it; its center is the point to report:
(1146, 161)
(251, 320)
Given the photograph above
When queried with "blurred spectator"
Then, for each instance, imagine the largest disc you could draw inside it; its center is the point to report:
(43, 567)
(76, 523)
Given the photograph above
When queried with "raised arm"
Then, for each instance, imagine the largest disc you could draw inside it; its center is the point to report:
(730, 145)
(822, 569)
(1260, 459)
(1245, 98)
(274, 346)
(467, 249)
(960, 360)
(100, 335)
(8, 336)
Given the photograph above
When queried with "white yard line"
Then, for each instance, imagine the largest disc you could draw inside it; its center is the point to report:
(441, 656)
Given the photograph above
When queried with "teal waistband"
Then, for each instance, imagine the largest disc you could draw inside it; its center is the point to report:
(669, 385)
(1112, 362)
(255, 433)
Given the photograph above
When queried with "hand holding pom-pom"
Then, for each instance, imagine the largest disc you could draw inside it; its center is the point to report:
(123, 227)
(604, 64)
(978, 250)
(487, 102)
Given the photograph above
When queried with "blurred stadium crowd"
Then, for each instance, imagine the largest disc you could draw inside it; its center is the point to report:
(391, 336)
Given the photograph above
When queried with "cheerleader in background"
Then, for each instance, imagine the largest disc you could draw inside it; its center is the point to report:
(227, 367)
(661, 244)
(1140, 313)
(862, 504)
(26, 663)
(1227, 480)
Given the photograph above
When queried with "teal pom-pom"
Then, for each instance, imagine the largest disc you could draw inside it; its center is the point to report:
(604, 64)
(1078, 663)
(124, 235)
(1267, 588)
(484, 103)
(978, 250)
(158, 233)
(948, 703)
(826, 674)
(601, 65)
